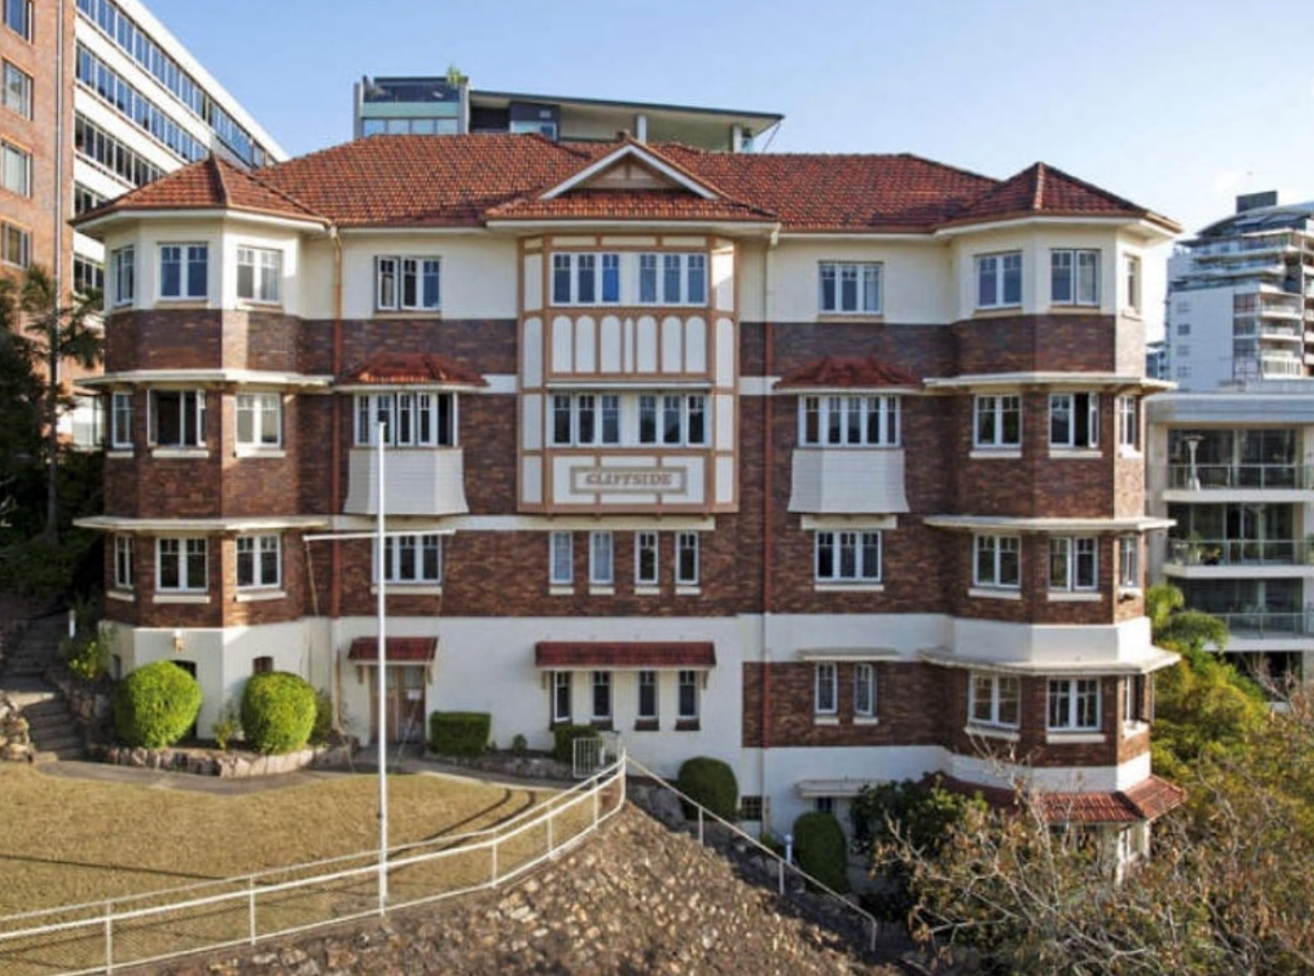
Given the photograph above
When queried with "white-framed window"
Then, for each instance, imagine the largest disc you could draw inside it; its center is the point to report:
(673, 278)
(259, 274)
(647, 707)
(848, 557)
(1074, 704)
(561, 558)
(645, 558)
(687, 696)
(601, 696)
(176, 418)
(259, 561)
(123, 274)
(407, 283)
(17, 90)
(1135, 707)
(997, 420)
(15, 169)
(1074, 276)
(1129, 423)
(676, 419)
(586, 419)
(413, 558)
(849, 287)
(120, 419)
(1073, 563)
(88, 276)
(1129, 562)
(686, 558)
(837, 420)
(994, 699)
(602, 570)
(561, 682)
(825, 699)
(864, 690)
(125, 576)
(181, 565)
(1074, 420)
(184, 270)
(997, 561)
(1131, 275)
(259, 419)
(586, 278)
(411, 419)
(999, 279)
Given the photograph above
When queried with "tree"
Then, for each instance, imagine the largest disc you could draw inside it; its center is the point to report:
(59, 331)
(20, 418)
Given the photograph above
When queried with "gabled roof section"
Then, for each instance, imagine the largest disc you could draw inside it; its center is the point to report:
(842, 372)
(648, 158)
(628, 205)
(412, 369)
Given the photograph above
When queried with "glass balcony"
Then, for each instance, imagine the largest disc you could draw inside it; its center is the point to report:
(1238, 552)
(1260, 623)
(1206, 477)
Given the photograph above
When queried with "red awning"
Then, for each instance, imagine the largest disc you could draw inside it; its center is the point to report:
(401, 650)
(647, 655)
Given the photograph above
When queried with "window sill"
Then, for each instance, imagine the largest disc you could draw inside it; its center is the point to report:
(410, 313)
(119, 453)
(859, 318)
(992, 732)
(647, 591)
(849, 587)
(1062, 597)
(1060, 738)
(257, 596)
(1131, 313)
(256, 305)
(1073, 308)
(557, 590)
(408, 589)
(127, 596)
(1059, 453)
(259, 452)
(1130, 729)
(992, 593)
(993, 311)
(866, 720)
(996, 454)
(1128, 592)
(180, 452)
(191, 301)
(687, 725)
(687, 590)
(1131, 453)
(646, 725)
(825, 720)
(601, 590)
(181, 598)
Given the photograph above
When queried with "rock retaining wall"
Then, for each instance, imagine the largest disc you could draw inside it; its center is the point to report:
(15, 743)
(227, 765)
(524, 766)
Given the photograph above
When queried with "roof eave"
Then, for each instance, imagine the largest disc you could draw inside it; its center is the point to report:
(1145, 224)
(92, 223)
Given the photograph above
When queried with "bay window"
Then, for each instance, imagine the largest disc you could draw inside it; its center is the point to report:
(1073, 563)
(184, 271)
(997, 561)
(1074, 277)
(259, 559)
(1074, 704)
(259, 273)
(412, 558)
(123, 274)
(412, 419)
(997, 421)
(177, 418)
(259, 419)
(849, 421)
(994, 699)
(181, 565)
(1074, 420)
(999, 279)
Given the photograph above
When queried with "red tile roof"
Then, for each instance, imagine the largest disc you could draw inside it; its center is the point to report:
(1147, 800)
(1042, 189)
(410, 649)
(394, 368)
(847, 372)
(624, 654)
(626, 205)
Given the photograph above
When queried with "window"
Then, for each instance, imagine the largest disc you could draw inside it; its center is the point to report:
(1135, 708)
(85, 199)
(259, 558)
(15, 245)
(262, 665)
(17, 90)
(998, 421)
(673, 419)
(120, 419)
(123, 271)
(18, 17)
(98, 146)
(645, 558)
(848, 557)
(1183, 328)
(850, 288)
(999, 279)
(259, 419)
(585, 279)
(1131, 270)
(687, 697)
(413, 558)
(824, 804)
(864, 690)
(673, 279)
(602, 696)
(586, 419)
(180, 565)
(994, 699)
(410, 419)
(997, 561)
(686, 558)
(1074, 277)
(826, 689)
(88, 276)
(849, 421)
(1073, 564)
(177, 418)
(184, 270)
(561, 697)
(259, 271)
(561, 559)
(601, 570)
(1074, 704)
(124, 576)
(750, 807)
(1129, 562)
(647, 711)
(1129, 423)
(1074, 420)
(407, 283)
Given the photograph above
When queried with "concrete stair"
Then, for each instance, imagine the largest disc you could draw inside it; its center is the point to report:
(54, 733)
(37, 647)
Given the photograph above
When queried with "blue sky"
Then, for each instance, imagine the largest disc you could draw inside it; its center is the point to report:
(1176, 104)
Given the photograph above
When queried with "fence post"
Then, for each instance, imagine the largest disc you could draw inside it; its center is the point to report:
(109, 937)
(597, 803)
(700, 825)
(493, 883)
(251, 908)
(871, 927)
(780, 877)
(549, 828)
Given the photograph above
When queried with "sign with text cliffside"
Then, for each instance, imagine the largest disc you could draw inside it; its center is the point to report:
(626, 480)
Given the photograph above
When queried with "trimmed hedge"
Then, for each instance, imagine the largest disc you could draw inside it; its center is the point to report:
(278, 711)
(711, 783)
(563, 740)
(155, 705)
(323, 727)
(459, 733)
(821, 850)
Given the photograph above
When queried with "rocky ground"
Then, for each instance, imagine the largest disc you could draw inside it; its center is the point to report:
(636, 900)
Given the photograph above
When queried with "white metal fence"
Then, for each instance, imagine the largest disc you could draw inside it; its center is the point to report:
(104, 936)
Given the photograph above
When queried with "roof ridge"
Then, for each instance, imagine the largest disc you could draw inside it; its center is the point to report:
(1038, 196)
(217, 174)
(290, 198)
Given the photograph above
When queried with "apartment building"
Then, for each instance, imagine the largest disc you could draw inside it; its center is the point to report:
(1241, 298)
(99, 98)
(827, 466)
(448, 105)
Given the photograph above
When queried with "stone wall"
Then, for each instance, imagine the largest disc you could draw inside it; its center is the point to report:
(15, 744)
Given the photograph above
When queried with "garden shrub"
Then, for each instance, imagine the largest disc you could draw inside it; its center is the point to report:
(323, 727)
(563, 740)
(459, 733)
(278, 711)
(711, 783)
(821, 850)
(155, 705)
(85, 658)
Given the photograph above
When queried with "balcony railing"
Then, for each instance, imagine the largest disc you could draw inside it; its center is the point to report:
(1259, 623)
(1206, 477)
(1237, 552)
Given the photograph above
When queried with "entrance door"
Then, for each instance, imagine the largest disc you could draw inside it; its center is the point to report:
(404, 699)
